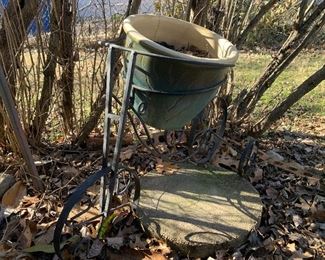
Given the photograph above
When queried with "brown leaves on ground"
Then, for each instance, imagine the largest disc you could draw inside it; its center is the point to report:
(163, 167)
(287, 173)
(13, 196)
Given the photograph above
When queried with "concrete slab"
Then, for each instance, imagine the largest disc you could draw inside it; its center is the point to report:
(198, 210)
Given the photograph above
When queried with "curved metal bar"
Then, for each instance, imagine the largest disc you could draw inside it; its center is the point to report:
(133, 179)
(110, 172)
(218, 136)
(246, 156)
(73, 199)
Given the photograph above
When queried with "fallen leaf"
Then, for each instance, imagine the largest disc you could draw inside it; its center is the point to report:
(269, 244)
(225, 161)
(308, 149)
(115, 242)
(154, 256)
(297, 220)
(50, 248)
(95, 249)
(13, 229)
(28, 201)
(273, 155)
(232, 152)
(318, 208)
(46, 237)
(8, 251)
(291, 247)
(28, 233)
(14, 195)
(272, 193)
(166, 168)
(90, 213)
(127, 152)
(93, 191)
(137, 243)
(299, 254)
(161, 247)
(132, 254)
(272, 216)
(258, 175)
(70, 172)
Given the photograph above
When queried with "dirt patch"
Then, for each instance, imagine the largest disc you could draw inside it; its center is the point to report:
(189, 50)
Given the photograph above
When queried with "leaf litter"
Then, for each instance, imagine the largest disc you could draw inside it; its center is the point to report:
(288, 174)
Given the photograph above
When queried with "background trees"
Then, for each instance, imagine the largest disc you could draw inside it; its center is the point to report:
(56, 77)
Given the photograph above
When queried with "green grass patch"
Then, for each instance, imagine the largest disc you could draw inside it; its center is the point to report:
(251, 65)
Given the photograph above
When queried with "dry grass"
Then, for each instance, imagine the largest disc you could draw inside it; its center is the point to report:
(251, 65)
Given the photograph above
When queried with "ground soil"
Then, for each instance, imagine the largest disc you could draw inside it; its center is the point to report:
(292, 224)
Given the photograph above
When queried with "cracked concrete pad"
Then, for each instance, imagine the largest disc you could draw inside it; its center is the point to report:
(198, 210)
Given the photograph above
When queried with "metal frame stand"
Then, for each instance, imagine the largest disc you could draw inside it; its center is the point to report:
(111, 171)
(109, 184)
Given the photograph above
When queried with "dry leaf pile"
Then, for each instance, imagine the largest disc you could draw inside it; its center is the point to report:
(288, 172)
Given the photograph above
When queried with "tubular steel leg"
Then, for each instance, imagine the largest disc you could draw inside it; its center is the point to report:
(107, 123)
(110, 189)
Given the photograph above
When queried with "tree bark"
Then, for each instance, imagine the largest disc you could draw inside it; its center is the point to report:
(43, 104)
(16, 18)
(99, 104)
(252, 24)
(215, 15)
(66, 53)
(308, 85)
(298, 39)
(200, 11)
(60, 51)
(14, 23)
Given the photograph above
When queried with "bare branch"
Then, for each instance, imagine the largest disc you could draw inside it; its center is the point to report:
(291, 48)
(99, 104)
(309, 84)
(264, 9)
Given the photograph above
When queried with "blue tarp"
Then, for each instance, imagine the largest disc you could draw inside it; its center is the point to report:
(83, 13)
(45, 14)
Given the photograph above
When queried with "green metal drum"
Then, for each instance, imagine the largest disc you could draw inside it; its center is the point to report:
(170, 91)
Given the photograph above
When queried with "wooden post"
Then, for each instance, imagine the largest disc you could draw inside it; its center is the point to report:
(9, 104)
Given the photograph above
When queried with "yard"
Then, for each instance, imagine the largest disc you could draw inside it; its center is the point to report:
(251, 64)
(249, 182)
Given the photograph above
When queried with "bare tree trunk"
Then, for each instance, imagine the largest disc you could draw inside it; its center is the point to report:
(188, 10)
(297, 40)
(308, 85)
(134, 6)
(60, 51)
(199, 11)
(66, 53)
(43, 104)
(215, 15)
(99, 104)
(252, 24)
(224, 18)
(14, 23)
